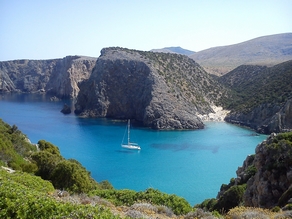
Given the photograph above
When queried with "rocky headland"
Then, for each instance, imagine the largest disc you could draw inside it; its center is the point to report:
(58, 77)
(162, 91)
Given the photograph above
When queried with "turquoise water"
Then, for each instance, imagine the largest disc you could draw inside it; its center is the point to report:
(191, 164)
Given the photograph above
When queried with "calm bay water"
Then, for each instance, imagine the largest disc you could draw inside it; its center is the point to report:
(191, 164)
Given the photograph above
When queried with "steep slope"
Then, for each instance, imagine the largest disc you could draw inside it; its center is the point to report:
(177, 50)
(161, 90)
(263, 97)
(263, 181)
(56, 76)
(266, 50)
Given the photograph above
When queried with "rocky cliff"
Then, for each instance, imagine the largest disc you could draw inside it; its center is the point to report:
(266, 118)
(263, 97)
(271, 185)
(163, 91)
(59, 77)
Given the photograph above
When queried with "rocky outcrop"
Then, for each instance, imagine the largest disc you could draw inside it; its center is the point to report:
(66, 109)
(59, 77)
(163, 91)
(273, 178)
(266, 118)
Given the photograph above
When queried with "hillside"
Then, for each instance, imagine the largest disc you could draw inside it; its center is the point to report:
(177, 50)
(263, 97)
(266, 50)
(160, 90)
(59, 77)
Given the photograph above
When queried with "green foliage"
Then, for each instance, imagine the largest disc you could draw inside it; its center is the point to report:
(280, 151)
(256, 85)
(49, 147)
(208, 204)
(128, 197)
(30, 181)
(105, 185)
(46, 163)
(251, 171)
(29, 198)
(231, 198)
(15, 149)
(72, 176)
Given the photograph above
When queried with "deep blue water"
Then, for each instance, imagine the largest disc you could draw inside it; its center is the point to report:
(191, 164)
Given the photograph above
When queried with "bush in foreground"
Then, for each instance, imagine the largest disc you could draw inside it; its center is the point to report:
(20, 199)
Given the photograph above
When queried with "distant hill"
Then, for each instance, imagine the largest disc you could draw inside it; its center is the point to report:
(267, 50)
(177, 50)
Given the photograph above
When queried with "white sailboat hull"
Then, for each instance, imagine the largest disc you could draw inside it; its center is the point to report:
(132, 147)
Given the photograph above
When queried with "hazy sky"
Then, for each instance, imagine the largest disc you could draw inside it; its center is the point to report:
(45, 29)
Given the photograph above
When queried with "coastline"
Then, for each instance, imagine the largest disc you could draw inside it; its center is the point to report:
(218, 115)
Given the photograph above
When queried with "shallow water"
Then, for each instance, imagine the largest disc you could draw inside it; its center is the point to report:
(191, 164)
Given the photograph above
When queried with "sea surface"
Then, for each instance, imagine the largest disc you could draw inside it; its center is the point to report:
(190, 164)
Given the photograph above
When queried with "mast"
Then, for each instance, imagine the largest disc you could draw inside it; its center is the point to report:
(128, 131)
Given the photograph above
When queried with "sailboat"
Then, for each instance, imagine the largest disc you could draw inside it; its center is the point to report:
(130, 145)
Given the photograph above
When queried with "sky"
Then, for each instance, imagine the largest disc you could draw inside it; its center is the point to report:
(47, 29)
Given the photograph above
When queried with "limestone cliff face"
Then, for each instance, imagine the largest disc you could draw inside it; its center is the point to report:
(129, 84)
(271, 185)
(266, 118)
(58, 77)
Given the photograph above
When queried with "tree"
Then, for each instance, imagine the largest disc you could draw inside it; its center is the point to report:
(71, 176)
(46, 163)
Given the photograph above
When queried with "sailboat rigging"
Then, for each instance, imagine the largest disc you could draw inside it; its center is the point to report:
(130, 145)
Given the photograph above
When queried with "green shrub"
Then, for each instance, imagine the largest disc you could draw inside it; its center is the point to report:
(231, 198)
(71, 176)
(49, 147)
(208, 204)
(128, 197)
(46, 163)
(15, 148)
(27, 197)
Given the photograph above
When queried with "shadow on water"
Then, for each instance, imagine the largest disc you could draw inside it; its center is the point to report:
(174, 147)
(127, 151)
(184, 146)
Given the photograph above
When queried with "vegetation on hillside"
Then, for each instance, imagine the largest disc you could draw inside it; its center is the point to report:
(15, 148)
(256, 85)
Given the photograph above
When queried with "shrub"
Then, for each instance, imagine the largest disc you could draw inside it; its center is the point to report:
(20, 199)
(128, 197)
(49, 147)
(15, 148)
(46, 163)
(231, 198)
(71, 176)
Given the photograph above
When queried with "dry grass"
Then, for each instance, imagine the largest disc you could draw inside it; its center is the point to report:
(256, 213)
